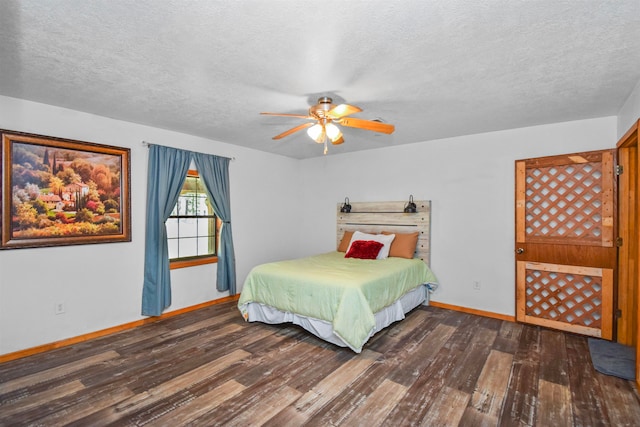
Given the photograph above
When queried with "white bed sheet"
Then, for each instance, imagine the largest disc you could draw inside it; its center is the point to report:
(267, 314)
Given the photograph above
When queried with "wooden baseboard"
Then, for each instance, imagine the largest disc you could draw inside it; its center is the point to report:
(85, 337)
(473, 311)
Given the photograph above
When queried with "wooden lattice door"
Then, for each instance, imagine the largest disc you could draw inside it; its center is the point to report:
(565, 251)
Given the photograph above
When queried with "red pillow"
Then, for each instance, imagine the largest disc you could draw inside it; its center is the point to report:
(364, 249)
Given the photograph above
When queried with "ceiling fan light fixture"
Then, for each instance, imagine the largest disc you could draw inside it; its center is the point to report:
(317, 133)
(338, 141)
(333, 132)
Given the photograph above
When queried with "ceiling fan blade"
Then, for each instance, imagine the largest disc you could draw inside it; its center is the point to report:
(293, 130)
(367, 125)
(342, 110)
(300, 116)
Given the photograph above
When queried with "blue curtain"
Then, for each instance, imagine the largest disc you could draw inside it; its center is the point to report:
(168, 169)
(214, 171)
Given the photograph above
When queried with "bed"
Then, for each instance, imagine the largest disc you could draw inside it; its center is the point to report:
(346, 300)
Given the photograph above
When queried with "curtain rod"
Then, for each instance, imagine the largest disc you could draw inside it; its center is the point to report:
(147, 144)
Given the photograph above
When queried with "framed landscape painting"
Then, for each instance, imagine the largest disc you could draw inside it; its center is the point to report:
(62, 192)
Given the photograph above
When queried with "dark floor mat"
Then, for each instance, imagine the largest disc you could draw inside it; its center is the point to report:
(612, 358)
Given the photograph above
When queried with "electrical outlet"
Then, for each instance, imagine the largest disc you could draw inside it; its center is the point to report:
(476, 285)
(58, 308)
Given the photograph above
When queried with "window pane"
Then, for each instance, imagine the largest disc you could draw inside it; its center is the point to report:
(190, 184)
(188, 247)
(202, 208)
(199, 186)
(188, 204)
(203, 246)
(172, 228)
(205, 226)
(173, 248)
(188, 227)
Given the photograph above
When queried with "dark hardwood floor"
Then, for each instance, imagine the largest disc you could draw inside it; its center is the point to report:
(209, 367)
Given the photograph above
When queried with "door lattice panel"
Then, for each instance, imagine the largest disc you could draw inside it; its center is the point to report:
(567, 297)
(562, 297)
(564, 201)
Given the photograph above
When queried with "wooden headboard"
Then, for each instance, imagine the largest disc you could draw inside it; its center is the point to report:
(374, 217)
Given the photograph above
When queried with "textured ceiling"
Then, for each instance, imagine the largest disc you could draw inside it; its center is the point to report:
(432, 68)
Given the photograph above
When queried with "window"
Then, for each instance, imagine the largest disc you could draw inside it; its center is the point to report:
(192, 227)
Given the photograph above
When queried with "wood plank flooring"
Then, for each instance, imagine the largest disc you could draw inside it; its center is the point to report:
(209, 367)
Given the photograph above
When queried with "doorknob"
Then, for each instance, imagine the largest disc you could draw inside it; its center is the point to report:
(520, 250)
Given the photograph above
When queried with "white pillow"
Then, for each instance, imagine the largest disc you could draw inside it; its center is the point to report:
(385, 239)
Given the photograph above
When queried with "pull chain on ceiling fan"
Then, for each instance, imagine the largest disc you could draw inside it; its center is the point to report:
(326, 116)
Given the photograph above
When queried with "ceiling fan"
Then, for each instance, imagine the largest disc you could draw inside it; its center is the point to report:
(326, 116)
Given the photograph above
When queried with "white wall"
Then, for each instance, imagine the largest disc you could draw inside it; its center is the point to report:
(101, 285)
(630, 111)
(470, 181)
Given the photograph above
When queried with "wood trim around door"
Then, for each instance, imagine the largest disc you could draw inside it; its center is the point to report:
(629, 254)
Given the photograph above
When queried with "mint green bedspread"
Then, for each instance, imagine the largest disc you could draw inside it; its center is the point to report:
(343, 291)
